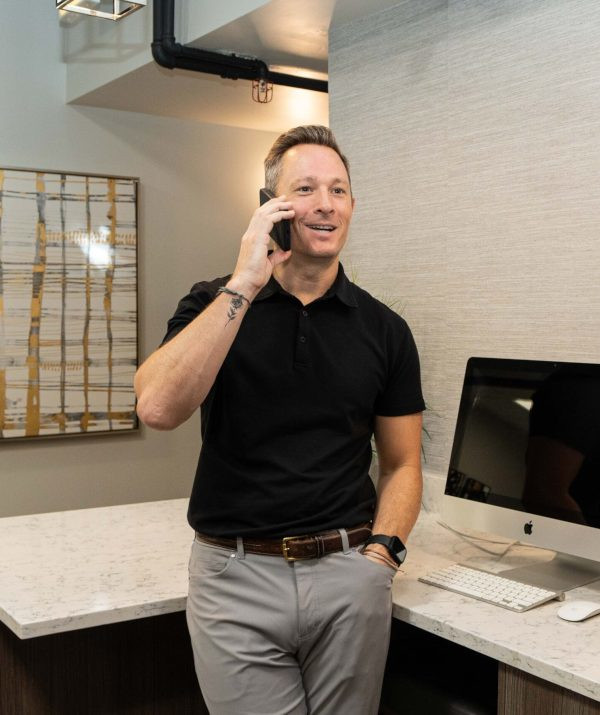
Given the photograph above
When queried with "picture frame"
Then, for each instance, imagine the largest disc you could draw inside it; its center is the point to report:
(68, 304)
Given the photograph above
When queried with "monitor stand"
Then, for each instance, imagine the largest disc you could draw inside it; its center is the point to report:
(562, 573)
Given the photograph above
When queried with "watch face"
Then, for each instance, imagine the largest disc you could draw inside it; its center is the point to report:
(392, 543)
(396, 544)
(398, 548)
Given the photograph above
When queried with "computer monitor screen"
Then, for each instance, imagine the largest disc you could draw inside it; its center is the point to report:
(525, 460)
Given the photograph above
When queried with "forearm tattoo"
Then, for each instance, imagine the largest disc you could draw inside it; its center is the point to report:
(237, 300)
(235, 304)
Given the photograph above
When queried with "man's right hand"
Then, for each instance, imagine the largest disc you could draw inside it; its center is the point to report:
(174, 381)
(255, 266)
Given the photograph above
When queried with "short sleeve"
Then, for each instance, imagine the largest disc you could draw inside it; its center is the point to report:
(190, 306)
(402, 394)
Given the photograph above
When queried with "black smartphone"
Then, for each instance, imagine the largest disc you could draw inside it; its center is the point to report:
(281, 230)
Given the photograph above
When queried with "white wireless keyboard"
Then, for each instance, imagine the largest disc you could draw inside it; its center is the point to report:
(489, 587)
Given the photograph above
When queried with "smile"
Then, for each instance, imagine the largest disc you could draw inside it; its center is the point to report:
(320, 227)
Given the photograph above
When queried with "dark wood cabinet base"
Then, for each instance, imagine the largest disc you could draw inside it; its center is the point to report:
(145, 667)
(428, 675)
(141, 667)
(522, 694)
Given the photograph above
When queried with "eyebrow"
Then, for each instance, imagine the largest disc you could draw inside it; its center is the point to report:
(313, 179)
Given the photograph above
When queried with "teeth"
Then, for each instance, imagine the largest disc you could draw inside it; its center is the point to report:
(321, 228)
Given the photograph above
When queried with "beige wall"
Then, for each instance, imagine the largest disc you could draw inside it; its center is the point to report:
(198, 185)
(473, 128)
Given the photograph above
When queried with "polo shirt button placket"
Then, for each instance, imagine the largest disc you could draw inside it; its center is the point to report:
(301, 351)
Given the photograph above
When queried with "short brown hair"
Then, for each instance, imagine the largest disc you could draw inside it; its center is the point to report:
(310, 134)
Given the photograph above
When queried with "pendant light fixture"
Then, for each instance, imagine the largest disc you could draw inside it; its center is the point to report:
(102, 8)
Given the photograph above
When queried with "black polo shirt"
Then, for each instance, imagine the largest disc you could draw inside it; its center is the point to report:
(287, 426)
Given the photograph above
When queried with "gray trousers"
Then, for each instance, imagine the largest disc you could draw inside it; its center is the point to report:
(272, 637)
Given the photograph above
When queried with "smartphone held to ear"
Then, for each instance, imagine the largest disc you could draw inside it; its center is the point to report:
(281, 230)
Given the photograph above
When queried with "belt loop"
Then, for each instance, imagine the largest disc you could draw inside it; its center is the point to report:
(240, 548)
(345, 541)
(320, 546)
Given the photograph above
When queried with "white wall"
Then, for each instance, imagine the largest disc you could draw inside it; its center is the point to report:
(198, 186)
(473, 130)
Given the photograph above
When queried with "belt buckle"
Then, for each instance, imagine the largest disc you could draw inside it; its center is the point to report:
(285, 549)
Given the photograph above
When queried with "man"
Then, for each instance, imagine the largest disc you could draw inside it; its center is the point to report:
(294, 368)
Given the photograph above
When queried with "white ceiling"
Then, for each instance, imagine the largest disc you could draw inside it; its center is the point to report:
(285, 34)
(291, 36)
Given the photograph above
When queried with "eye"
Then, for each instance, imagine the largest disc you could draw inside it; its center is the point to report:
(339, 190)
(303, 189)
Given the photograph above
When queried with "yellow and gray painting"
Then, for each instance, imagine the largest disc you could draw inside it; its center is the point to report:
(68, 307)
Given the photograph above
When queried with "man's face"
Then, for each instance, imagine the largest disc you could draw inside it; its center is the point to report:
(315, 180)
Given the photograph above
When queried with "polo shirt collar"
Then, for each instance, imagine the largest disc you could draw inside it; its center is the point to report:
(341, 288)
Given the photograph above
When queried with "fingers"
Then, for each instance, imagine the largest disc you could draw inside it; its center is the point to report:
(254, 265)
(276, 209)
(280, 215)
(283, 213)
(277, 201)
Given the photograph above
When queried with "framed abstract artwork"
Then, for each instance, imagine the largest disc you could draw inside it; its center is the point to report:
(68, 304)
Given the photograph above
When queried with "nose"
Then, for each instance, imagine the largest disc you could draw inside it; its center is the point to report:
(323, 204)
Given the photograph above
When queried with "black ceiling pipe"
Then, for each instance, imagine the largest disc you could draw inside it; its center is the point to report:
(170, 54)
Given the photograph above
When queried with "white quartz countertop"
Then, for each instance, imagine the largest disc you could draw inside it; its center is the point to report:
(536, 641)
(68, 570)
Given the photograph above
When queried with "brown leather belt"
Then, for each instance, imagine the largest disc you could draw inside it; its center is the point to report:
(296, 548)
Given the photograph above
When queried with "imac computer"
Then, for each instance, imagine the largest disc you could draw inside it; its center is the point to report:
(525, 463)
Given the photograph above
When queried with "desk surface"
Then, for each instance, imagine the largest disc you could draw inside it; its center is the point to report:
(69, 570)
(537, 641)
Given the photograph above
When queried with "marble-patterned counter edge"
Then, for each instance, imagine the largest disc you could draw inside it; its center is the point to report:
(90, 620)
(536, 642)
(59, 575)
(62, 571)
(533, 666)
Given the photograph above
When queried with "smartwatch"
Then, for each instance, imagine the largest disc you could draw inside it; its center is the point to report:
(395, 547)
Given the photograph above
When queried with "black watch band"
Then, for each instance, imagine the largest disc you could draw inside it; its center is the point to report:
(395, 547)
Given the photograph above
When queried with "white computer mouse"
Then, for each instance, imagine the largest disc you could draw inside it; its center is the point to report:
(578, 610)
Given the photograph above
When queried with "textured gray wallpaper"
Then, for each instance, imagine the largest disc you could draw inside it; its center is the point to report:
(473, 130)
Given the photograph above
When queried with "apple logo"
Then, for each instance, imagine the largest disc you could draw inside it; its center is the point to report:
(528, 527)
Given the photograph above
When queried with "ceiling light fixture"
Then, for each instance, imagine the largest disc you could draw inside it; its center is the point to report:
(100, 8)
(262, 91)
